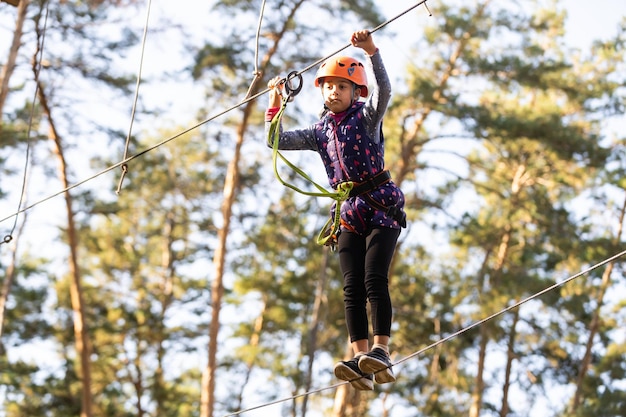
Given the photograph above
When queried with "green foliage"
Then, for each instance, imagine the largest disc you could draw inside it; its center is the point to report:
(491, 87)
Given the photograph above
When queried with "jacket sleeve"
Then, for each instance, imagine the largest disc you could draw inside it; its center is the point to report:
(376, 105)
(301, 139)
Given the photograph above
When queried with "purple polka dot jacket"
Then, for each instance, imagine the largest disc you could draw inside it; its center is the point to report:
(351, 145)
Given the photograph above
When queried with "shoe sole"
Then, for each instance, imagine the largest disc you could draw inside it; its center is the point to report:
(382, 373)
(359, 382)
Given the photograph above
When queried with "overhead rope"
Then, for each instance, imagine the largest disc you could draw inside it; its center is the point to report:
(37, 58)
(377, 28)
(197, 125)
(136, 98)
(447, 338)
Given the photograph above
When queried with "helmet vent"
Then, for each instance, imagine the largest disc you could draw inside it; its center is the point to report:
(353, 64)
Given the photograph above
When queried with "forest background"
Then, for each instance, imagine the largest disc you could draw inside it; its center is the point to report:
(197, 289)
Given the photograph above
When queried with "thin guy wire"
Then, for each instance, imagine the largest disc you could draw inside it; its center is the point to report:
(163, 142)
(40, 49)
(137, 155)
(513, 306)
(257, 74)
(447, 338)
(134, 109)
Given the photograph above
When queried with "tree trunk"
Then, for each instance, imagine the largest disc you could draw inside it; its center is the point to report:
(217, 288)
(83, 347)
(348, 399)
(479, 383)
(167, 291)
(253, 343)
(504, 410)
(9, 278)
(315, 325)
(594, 326)
(434, 363)
(8, 68)
(479, 386)
(230, 186)
(410, 138)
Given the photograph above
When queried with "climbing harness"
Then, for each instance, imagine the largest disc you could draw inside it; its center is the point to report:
(328, 235)
(363, 190)
(370, 184)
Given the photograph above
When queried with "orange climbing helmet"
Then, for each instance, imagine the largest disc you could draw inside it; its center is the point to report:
(343, 67)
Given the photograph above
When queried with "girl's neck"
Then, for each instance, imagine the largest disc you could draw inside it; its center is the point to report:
(338, 116)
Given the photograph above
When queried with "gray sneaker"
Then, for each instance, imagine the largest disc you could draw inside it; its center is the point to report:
(349, 371)
(377, 362)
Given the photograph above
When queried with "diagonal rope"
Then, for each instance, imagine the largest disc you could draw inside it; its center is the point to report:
(136, 98)
(377, 28)
(37, 58)
(447, 338)
(515, 305)
(135, 156)
(197, 125)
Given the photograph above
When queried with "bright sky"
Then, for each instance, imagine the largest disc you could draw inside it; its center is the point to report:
(593, 19)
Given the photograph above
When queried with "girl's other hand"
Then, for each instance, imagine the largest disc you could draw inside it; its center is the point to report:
(275, 96)
(363, 39)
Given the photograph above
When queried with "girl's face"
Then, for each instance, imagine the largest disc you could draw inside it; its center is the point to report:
(339, 93)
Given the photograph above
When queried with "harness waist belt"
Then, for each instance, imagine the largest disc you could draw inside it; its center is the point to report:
(370, 184)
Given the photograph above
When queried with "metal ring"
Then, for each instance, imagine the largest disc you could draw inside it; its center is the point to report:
(289, 86)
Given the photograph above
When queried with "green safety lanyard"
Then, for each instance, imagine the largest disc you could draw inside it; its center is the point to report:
(328, 234)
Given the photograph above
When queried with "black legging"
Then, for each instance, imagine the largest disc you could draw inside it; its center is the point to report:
(364, 262)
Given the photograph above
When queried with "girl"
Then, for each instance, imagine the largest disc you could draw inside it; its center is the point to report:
(350, 141)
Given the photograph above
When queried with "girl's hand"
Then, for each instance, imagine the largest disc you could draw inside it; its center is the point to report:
(275, 94)
(363, 39)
